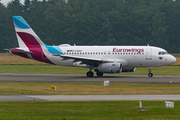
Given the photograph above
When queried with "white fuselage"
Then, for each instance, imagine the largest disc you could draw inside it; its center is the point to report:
(129, 56)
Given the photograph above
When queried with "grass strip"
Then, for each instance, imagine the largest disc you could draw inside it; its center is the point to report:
(87, 110)
(43, 88)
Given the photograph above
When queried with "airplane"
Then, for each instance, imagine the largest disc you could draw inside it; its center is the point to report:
(103, 59)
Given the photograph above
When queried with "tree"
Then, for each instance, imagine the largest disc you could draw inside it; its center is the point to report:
(159, 30)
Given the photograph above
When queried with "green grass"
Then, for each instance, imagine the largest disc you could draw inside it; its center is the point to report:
(87, 110)
(52, 69)
(176, 55)
(43, 88)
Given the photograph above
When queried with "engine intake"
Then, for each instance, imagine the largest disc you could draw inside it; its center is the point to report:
(110, 68)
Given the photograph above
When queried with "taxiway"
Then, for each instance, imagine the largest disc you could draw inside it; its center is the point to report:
(161, 79)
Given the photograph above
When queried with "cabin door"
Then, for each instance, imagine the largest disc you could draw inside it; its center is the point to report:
(148, 53)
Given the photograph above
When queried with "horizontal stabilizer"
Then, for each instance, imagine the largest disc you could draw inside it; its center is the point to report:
(19, 51)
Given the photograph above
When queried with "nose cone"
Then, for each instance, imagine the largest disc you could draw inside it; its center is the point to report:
(172, 60)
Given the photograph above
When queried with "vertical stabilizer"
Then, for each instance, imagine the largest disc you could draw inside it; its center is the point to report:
(30, 45)
(24, 33)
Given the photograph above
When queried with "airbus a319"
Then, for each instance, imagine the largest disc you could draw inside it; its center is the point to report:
(101, 59)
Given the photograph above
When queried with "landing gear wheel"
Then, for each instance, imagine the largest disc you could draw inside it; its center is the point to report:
(99, 74)
(89, 74)
(150, 74)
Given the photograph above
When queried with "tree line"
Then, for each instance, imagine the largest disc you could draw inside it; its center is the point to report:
(96, 22)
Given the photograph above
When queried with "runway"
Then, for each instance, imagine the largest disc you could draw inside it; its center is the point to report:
(86, 97)
(160, 79)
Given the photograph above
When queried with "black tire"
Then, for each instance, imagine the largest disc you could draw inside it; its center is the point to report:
(89, 74)
(99, 74)
(150, 74)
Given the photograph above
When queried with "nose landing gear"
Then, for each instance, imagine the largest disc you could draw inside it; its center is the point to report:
(150, 74)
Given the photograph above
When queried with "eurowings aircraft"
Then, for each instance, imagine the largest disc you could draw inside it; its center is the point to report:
(103, 59)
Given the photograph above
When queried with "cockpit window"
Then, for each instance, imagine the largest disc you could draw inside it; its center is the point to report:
(163, 53)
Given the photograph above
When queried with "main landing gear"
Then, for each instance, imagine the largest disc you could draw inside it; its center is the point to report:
(99, 74)
(150, 74)
(91, 74)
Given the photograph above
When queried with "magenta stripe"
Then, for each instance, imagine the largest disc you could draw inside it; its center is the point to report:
(34, 47)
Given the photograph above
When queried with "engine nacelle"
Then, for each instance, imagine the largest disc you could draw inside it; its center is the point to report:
(110, 68)
(128, 69)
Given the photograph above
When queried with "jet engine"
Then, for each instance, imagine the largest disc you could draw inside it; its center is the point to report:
(128, 69)
(110, 68)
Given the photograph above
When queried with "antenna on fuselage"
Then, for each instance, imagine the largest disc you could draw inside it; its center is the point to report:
(74, 44)
(147, 44)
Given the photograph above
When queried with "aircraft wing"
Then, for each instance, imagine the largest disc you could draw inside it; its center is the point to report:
(85, 60)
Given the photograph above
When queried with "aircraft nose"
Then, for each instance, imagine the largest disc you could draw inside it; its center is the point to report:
(172, 60)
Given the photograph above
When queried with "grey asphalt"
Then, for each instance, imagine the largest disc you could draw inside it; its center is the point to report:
(162, 79)
(86, 97)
